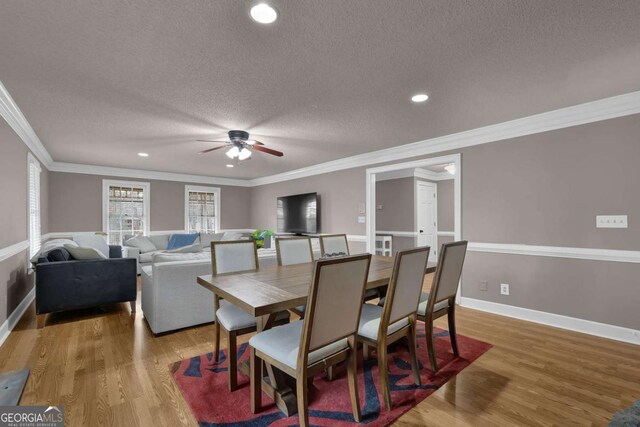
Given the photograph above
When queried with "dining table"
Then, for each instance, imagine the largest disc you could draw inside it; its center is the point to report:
(272, 289)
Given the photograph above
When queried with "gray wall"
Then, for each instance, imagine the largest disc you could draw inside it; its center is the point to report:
(446, 206)
(76, 203)
(543, 189)
(15, 283)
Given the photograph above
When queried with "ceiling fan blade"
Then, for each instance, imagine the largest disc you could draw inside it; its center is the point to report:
(208, 140)
(254, 142)
(212, 149)
(268, 150)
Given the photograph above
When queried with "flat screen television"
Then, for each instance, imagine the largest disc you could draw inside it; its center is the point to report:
(299, 214)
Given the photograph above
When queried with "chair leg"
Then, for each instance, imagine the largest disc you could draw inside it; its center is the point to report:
(256, 382)
(330, 373)
(383, 371)
(41, 319)
(415, 365)
(216, 342)
(366, 351)
(451, 317)
(352, 375)
(303, 404)
(232, 361)
(428, 327)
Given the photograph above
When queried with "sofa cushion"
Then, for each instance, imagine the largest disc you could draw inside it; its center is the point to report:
(58, 254)
(160, 241)
(186, 249)
(141, 242)
(231, 235)
(147, 257)
(159, 257)
(94, 241)
(179, 240)
(84, 253)
(207, 238)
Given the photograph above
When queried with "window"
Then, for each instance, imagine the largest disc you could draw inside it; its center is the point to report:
(125, 209)
(33, 167)
(202, 209)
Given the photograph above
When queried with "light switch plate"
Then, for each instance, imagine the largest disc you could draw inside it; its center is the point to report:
(611, 221)
(362, 219)
(504, 288)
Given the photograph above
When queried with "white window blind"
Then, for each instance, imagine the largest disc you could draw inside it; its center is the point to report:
(202, 209)
(126, 210)
(34, 205)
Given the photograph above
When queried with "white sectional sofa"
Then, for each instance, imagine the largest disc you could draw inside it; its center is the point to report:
(161, 241)
(171, 297)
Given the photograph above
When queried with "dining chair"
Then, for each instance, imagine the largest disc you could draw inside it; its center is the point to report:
(382, 326)
(234, 256)
(294, 250)
(325, 337)
(441, 299)
(333, 244)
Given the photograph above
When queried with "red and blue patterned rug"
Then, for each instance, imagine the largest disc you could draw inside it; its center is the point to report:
(203, 384)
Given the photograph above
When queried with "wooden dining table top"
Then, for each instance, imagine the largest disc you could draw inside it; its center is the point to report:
(275, 288)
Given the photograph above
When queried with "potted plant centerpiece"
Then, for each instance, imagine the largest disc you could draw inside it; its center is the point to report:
(262, 238)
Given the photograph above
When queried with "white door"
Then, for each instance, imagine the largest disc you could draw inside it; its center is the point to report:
(426, 215)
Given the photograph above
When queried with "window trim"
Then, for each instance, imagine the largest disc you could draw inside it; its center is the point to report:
(32, 161)
(146, 199)
(202, 189)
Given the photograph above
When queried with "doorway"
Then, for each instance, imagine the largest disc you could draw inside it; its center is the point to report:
(426, 197)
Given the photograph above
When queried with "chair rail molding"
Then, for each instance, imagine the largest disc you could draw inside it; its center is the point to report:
(614, 255)
(446, 233)
(589, 327)
(399, 233)
(15, 249)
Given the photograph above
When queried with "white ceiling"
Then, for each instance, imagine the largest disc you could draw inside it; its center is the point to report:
(100, 81)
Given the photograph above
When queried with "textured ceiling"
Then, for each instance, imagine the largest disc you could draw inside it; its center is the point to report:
(102, 80)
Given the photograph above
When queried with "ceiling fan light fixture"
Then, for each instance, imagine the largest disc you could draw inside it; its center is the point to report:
(263, 13)
(143, 154)
(229, 165)
(233, 152)
(451, 168)
(244, 154)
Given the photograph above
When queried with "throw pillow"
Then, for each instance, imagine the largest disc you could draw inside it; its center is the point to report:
(58, 254)
(231, 235)
(84, 253)
(186, 249)
(179, 240)
(207, 238)
(141, 242)
(49, 245)
(92, 241)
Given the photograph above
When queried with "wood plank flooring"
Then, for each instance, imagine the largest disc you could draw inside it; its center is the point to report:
(107, 368)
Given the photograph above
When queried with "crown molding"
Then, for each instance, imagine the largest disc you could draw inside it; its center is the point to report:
(603, 109)
(145, 174)
(589, 112)
(14, 117)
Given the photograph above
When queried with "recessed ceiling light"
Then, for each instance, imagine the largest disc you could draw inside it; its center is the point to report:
(143, 154)
(263, 13)
(420, 97)
(229, 166)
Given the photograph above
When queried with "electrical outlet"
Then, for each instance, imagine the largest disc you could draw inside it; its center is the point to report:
(362, 219)
(611, 221)
(504, 289)
(484, 285)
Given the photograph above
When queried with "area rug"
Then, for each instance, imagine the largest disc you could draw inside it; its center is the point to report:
(203, 384)
(629, 417)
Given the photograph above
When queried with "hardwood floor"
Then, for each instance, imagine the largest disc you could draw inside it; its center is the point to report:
(107, 368)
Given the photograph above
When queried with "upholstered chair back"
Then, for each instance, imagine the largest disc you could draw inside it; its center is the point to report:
(334, 244)
(449, 270)
(294, 250)
(232, 256)
(335, 300)
(406, 282)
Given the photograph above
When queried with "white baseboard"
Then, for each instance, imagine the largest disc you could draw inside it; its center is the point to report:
(589, 327)
(15, 317)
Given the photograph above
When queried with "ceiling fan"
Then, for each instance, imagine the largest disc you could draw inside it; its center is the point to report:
(240, 146)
